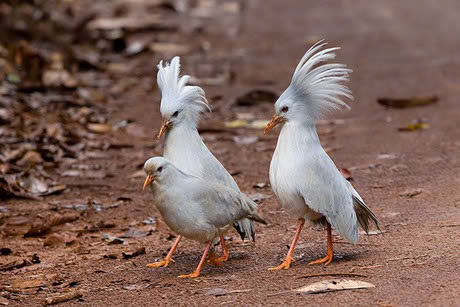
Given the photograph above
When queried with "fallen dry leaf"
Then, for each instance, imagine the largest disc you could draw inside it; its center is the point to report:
(239, 123)
(169, 49)
(346, 173)
(99, 128)
(401, 103)
(245, 140)
(411, 192)
(27, 284)
(62, 298)
(217, 292)
(111, 239)
(335, 285)
(53, 240)
(137, 252)
(415, 126)
(5, 251)
(256, 97)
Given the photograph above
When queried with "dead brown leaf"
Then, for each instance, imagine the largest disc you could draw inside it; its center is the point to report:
(411, 192)
(256, 97)
(27, 284)
(409, 102)
(346, 173)
(334, 285)
(137, 252)
(99, 128)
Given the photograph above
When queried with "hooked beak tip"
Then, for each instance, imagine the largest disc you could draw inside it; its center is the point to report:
(163, 129)
(147, 181)
(276, 119)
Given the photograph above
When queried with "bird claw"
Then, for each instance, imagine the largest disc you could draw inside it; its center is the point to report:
(285, 265)
(162, 263)
(193, 275)
(218, 260)
(326, 260)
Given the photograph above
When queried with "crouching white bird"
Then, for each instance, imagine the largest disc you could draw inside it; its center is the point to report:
(181, 108)
(302, 175)
(194, 208)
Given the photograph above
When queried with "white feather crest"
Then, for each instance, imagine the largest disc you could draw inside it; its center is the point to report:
(176, 94)
(318, 85)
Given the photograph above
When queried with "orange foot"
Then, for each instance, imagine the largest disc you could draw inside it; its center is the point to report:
(193, 275)
(164, 262)
(285, 265)
(218, 260)
(326, 260)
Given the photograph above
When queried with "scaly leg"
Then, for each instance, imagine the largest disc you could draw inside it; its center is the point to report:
(287, 261)
(165, 262)
(217, 260)
(200, 265)
(330, 253)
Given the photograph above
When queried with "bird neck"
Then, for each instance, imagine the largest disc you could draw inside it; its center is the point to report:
(300, 133)
(181, 135)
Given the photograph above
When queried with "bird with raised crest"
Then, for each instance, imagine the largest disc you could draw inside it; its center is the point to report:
(181, 108)
(302, 175)
(195, 208)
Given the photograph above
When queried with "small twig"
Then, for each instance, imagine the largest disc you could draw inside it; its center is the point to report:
(332, 274)
(359, 244)
(450, 225)
(239, 291)
(369, 267)
(278, 293)
(407, 258)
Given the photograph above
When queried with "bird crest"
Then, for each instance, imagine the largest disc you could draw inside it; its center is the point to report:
(176, 95)
(318, 85)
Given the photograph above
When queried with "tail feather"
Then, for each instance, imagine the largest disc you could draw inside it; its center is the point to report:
(364, 214)
(245, 227)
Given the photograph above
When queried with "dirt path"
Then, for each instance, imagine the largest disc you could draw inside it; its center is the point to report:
(395, 48)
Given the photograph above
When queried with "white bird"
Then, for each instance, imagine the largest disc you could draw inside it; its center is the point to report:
(195, 208)
(302, 175)
(181, 108)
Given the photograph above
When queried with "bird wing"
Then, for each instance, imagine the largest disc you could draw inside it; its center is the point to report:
(224, 205)
(325, 191)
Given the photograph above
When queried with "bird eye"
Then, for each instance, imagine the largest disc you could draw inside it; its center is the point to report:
(284, 109)
(175, 114)
(160, 169)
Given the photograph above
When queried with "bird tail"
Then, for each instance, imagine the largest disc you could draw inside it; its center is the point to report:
(318, 85)
(364, 214)
(245, 227)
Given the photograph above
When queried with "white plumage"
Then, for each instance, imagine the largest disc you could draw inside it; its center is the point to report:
(195, 208)
(181, 108)
(303, 177)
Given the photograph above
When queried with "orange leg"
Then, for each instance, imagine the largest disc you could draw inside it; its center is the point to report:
(330, 253)
(287, 261)
(200, 265)
(218, 260)
(165, 262)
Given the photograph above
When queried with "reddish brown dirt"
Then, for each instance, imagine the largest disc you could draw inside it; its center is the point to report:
(395, 48)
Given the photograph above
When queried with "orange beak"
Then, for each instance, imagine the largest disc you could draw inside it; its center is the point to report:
(165, 126)
(148, 181)
(276, 119)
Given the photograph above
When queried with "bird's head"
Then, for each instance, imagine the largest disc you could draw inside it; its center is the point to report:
(181, 104)
(285, 110)
(156, 169)
(316, 87)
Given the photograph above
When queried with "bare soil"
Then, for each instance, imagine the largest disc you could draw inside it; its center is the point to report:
(396, 49)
